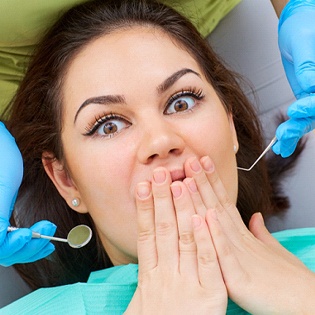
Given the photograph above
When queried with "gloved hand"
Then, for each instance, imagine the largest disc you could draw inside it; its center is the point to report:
(302, 121)
(297, 47)
(17, 246)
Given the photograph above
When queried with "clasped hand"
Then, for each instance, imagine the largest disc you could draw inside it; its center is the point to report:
(194, 250)
(17, 246)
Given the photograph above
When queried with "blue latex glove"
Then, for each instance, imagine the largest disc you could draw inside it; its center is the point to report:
(17, 246)
(302, 121)
(297, 47)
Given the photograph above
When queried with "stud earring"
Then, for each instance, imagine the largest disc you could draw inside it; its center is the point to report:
(75, 202)
(235, 148)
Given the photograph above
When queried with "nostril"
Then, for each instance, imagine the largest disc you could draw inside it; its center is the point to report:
(160, 144)
(152, 157)
(175, 151)
(163, 154)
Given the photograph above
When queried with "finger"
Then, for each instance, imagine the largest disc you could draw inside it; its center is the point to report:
(165, 219)
(208, 266)
(259, 230)
(195, 196)
(227, 209)
(215, 196)
(147, 254)
(14, 242)
(289, 133)
(209, 197)
(230, 267)
(194, 169)
(187, 247)
(40, 247)
(285, 147)
(19, 247)
(29, 256)
(302, 108)
(44, 227)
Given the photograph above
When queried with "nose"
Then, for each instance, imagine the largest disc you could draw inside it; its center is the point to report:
(159, 141)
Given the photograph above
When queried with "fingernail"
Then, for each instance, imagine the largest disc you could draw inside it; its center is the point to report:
(176, 190)
(159, 176)
(196, 221)
(192, 185)
(143, 190)
(207, 164)
(195, 165)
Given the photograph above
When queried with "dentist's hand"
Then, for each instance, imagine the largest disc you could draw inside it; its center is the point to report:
(17, 246)
(297, 47)
(302, 121)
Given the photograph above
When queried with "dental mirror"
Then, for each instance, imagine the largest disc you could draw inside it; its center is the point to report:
(272, 142)
(78, 237)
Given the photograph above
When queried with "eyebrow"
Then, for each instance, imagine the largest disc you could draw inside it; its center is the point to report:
(103, 100)
(173, 78)
(120, 99)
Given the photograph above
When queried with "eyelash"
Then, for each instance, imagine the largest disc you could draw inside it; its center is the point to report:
(193, 92)
(197, 94)
(92, 128)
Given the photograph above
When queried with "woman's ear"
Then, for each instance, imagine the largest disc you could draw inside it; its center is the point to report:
(234, 135)
(63, 182)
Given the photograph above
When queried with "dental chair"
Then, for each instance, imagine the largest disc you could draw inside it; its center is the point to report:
(247, 40)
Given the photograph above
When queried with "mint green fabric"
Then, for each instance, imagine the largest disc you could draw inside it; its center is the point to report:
(109, 291)
(22, 23)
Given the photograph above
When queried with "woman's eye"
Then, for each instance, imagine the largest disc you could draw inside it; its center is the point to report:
(179, 104)
(107, 126)
(111, 127)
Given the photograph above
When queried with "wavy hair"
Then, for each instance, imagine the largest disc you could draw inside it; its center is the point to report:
(35, 120)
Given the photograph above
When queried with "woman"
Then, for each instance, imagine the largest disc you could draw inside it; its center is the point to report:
(116, 127)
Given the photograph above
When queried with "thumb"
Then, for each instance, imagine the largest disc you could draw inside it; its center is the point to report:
(259, 230)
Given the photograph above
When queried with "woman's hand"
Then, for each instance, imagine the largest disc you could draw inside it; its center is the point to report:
(261, 276)
(17, 246)
(178, 269)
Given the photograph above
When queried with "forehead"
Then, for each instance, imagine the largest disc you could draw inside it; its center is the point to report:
(141, 48)
(126, 62)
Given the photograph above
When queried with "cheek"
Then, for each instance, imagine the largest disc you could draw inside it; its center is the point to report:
(105, 188)
(215, 139)
(100, 180)
(214, 136)
(100, 172)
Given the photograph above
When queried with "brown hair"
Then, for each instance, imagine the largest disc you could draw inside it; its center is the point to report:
(36, 123)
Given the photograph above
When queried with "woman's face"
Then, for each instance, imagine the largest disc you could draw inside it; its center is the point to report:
(133, 101)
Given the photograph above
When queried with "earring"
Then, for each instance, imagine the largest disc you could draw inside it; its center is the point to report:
(235, 148)
(75, 202)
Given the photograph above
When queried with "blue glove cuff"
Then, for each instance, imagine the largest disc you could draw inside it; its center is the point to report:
(295, 6)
